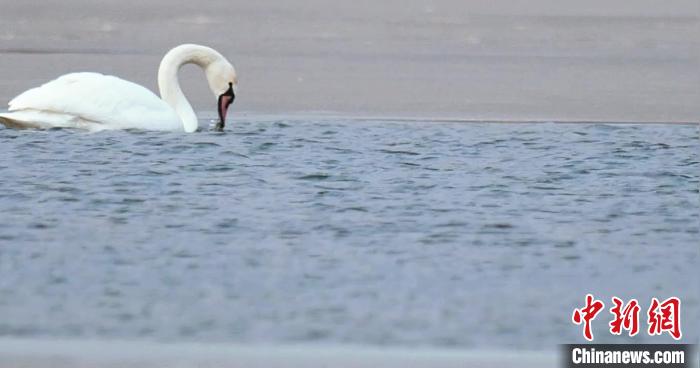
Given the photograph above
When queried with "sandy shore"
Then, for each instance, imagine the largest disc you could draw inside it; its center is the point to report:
(16, 353)
(540, 60)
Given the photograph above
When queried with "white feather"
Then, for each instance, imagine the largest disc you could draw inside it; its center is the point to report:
(97, 102)
(93, 101)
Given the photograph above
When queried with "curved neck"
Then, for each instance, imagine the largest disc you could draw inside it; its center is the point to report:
(169, 85)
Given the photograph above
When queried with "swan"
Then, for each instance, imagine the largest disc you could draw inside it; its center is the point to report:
(96, 102)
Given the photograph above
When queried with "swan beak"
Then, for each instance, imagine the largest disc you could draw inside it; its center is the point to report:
(225, 100)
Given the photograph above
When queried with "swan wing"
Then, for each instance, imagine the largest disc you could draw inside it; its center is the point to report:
(36, 119)
(104, 100)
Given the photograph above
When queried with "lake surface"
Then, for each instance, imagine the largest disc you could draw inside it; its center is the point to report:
(340, 231)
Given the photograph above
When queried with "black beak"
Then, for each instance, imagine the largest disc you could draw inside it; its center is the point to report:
(225, 100)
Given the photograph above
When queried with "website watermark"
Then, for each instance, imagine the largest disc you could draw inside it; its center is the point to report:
(629, 355)
(661, 317)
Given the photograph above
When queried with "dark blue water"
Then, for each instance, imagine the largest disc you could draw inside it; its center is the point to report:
(469, 235)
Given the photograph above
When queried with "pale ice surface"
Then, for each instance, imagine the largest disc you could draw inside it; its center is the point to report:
(605, 60)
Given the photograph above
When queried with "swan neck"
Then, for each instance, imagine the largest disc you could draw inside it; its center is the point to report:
(168, 83)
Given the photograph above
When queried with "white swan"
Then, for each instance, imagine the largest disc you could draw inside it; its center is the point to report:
(96, 102)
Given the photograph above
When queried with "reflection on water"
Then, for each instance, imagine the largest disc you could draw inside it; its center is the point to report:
(344, 231)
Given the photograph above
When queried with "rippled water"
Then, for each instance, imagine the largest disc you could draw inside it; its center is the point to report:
(376, 232)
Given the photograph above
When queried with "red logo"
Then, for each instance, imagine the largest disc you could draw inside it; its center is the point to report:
(665, 317)
(662, 316)
(625, 318)
(587, 314)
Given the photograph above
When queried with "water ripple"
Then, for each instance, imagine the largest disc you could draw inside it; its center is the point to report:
(343, 231)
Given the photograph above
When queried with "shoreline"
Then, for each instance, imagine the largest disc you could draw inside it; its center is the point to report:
(249, 115)
(76, 353)
(206, 116)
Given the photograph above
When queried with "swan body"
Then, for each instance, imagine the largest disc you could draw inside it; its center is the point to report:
(95, 101)
(92, 101)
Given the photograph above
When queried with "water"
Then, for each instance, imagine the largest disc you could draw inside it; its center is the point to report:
(334, 231)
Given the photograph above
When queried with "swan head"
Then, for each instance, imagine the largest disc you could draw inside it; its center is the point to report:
(223, 82)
